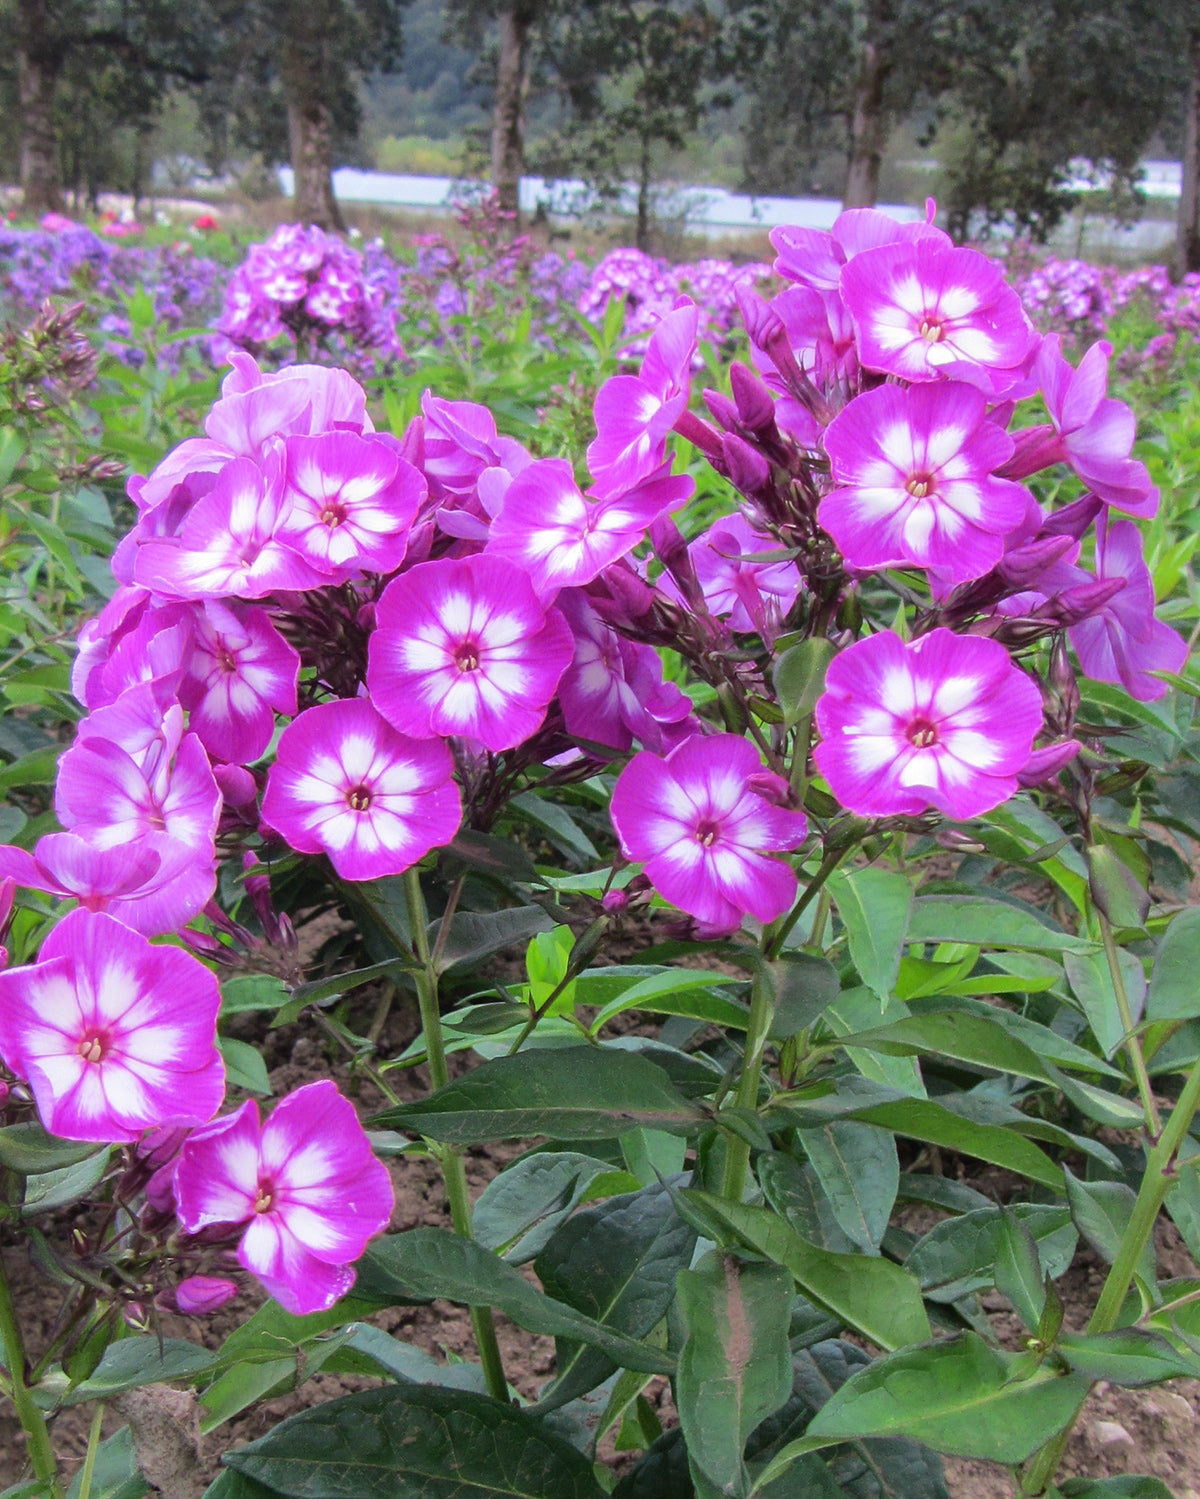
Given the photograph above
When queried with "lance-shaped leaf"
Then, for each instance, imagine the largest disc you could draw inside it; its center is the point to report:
(859, 1172)
(875, 905)
(433, 1262)
(961, 1397)
(572, 1093)
(411, 1439)
(923, 1119)
(873, 1296)
(1175, 981)
(1130, 1356)
(520, 1209)
(960, 1255)
(735, 1367)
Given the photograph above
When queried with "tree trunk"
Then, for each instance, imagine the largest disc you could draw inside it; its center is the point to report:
(868, 122)
(38, 67)
(311, 138)
(508, 118)
(1188, 241)
(642, 238)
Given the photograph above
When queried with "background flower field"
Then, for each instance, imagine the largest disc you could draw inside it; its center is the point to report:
(909, 1076)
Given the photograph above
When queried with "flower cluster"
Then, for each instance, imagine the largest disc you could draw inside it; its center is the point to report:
(307, 283)
(649, 285)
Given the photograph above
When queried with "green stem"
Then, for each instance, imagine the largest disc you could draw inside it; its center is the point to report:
(762, 1008)
(453, 1171)
(1156, 1183)
(829, 863)
(33, 1422)
(1132, 1043)
(89, 1461)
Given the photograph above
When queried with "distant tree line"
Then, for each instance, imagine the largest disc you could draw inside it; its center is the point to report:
(1009, 92)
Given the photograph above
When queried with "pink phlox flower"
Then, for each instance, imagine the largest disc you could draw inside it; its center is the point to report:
(240, 673)
(157, 649)
(947, 721)
(704, 835)
(68, 866)
(634, 413)
(346, 784)
(1096, 434)
(466, 648)
(815, 257)
(114, 1036)
(914, 471)
(229, 544)
(97, 639)
(821, 334)
(349, 503)
(460, 442)
(613, 691)
(925, 310)
(306, 1183)
(752, 595)
(563, 540)
(1124, 642)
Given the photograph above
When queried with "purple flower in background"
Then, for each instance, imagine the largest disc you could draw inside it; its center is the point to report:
(241, 673)
(306, 1183)
(562, 540)
(113, 1035)
(1096, 434)
(634, 413)
(613, 691)
(1124, 642)
(229, 543)
(466, 648)
(947, 722)
(348, 503)
(704, 834)
(346, 784)
(914, 471)
(924, 310)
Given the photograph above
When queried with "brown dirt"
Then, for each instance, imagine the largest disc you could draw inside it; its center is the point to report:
(1122, 1431)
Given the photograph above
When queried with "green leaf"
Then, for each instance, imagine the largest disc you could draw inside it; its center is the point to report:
(923, 1119)
(617, 1263)
(796, 1195)
(416, 1442)
(244, 1067)
(678, 991)
(38, 768)
(960, 1397)
(873, 1296)
(132, 1362)
(252, 991)
(56, 1189)
(963, 1037)
(572, 1093)
(1127, 1486)
(519, 1210)
(1131, 1356)
(805, 987)
(875, 906)
(984, 922)
(116, 1474)
(859, 1171)
(959, 1255)
(1091, 984)
(28, 1150)
(1101, 1211)
(433, 1262)
(1174, 992)
(559, 826)
(1019, 1272)
(799, 677)
(1114, 887)
(735, 1367)
(231, 1485)
(475, 935)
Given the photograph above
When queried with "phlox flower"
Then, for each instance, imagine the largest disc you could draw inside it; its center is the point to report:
(634, 413)
(305, 1183)
(1123, 642)
(947, 721)
(613, 691)
(751, 595)
(349, 502)
(562, 540)
(924, 310)
(228, 544)
(241, 672)
(118, 880)
(820, 333)
(704, 834)
(466, 648)
(113, 1035)
(1096, 433)
(815, 257)
(346, 784)
(915, 481)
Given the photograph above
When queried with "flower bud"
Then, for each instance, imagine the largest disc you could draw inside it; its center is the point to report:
(956, 842)
(1074, 604)
(160, 1189)
(1063, 680)
(724, 412)
(748, 470)
(199, 1295)
(1034, 448)
(1075, 518)
(700, 434)
(1044, 764)
(755, 406)
(771, 787)
(615, 901)
(135, 1317)
(1024, 565)
(411, 446)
